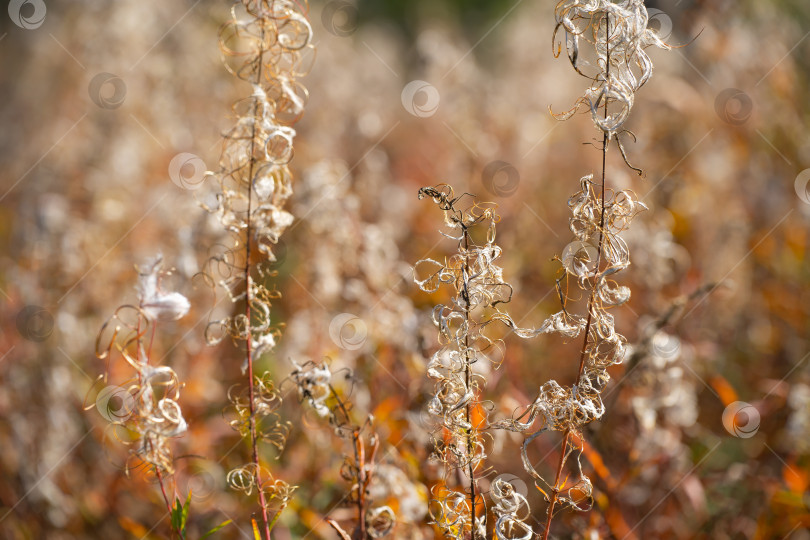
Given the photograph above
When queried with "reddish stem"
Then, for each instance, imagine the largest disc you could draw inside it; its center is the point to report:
(166, 499)
(254, 443)
(591, 300)
(157, 470)
(363, 476)
(360, 463)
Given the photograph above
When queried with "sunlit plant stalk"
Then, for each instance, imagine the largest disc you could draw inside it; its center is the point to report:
(479, 290)
(267, 46)
(619, 36)
(591, 299)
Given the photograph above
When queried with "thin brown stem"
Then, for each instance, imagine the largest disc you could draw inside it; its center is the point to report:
(591, 300)
(556, 490)
(360, 463)
(148, 442)
(363, 477)
(468, 381)
(254, 443)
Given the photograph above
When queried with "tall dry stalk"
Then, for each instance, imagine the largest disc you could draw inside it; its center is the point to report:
(616, 33)
(267, 44)
(479, 290)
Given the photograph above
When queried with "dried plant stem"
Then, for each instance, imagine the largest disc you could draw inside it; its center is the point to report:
(360, 461)
(583, 353)
(363, 475)
(152, 418)
(159, 475)
(255, 182)
(254, 443)
(253, 438)
(168, 504)
(556, 489)
(478, 288)
(468, 380)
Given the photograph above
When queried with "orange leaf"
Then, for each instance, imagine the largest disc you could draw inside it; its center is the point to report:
(724, 389)
(386, 407)
(795, 478)
(595, 459)
(613, 515)
(618, 526)
(132, 527)
(478, 416)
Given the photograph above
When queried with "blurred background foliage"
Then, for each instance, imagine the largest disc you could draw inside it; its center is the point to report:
(86, 195)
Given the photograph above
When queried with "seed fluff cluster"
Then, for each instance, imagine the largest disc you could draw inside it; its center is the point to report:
(145, 411)
(618, 33)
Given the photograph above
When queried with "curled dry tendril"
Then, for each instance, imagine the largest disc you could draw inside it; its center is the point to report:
(618, 33)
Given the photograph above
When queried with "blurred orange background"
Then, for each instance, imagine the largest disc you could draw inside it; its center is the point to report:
(99, 97)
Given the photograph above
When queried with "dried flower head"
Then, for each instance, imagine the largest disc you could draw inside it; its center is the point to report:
(155, 303)
(314, 384)
(149, 408)
(618, 33)
(512, 510)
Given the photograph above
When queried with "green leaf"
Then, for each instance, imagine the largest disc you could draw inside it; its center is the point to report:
(184, 514)
(180, 515)
(215, 529)
(177, 511)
